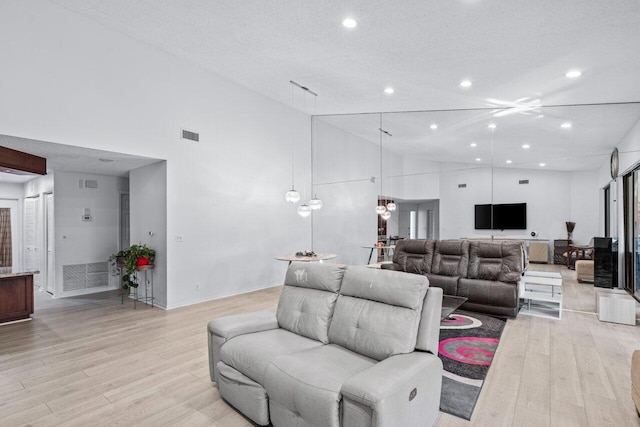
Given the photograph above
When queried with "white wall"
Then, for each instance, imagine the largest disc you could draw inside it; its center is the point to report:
(79, 83)
(148, 204)
(83, 242)
(552, 198)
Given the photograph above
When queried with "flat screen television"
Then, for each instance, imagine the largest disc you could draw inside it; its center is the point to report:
(511, 216)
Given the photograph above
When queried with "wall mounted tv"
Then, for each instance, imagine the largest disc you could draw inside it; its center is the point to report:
(512, 216)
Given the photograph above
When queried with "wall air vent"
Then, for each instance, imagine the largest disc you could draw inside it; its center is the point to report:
(523, 181)
(90, 183)
(190, 135)
(462, 185)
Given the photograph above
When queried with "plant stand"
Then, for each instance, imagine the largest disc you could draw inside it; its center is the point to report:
(148, 285)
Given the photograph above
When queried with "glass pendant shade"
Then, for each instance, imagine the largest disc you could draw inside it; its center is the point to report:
(304, 211)
(391, 206)
(292, 196)
(380, 210)
(386, 215)
(315, 203)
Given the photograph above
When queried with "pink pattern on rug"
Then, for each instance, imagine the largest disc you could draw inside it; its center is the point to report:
(469, 350)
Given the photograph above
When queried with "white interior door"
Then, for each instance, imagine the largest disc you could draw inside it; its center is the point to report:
(32, 252)
(50, 273)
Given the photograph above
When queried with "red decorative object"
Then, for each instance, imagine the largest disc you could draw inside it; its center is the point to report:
(143, 261)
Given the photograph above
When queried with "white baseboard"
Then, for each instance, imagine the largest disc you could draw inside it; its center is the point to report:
(201, 300)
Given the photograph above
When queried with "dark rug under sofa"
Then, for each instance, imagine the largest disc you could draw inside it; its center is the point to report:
(468, 342)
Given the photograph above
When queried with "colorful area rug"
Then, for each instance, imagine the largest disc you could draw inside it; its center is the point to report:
(467, 345)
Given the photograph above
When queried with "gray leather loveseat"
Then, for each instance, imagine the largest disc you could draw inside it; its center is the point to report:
(485, 272)
(348, 346)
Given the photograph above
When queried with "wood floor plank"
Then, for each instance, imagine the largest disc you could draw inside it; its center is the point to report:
(565, 414)
(534, 391)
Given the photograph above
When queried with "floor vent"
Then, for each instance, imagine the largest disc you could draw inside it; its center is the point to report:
(85, 276)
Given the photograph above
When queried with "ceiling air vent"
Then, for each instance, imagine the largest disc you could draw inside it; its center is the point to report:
(462, 185)
(523, 181)
(190, 135)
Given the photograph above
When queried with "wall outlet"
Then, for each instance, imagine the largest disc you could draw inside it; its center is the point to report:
(179, 238)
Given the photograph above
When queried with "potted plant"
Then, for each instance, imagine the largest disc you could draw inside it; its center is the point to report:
(129, 259)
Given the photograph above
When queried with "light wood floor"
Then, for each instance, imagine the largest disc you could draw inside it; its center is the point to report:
(92, 361)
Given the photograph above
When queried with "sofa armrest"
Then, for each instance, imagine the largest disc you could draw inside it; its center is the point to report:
(222, 329)
(391, 266)
(401, 390)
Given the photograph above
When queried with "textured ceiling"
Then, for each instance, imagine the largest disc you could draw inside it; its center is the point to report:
(510, 50)
(70, 158)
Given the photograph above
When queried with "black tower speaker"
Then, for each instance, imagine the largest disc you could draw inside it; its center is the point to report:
(605, 262)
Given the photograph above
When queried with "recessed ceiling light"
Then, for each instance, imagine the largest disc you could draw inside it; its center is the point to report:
(388, 90)
(349, 23)
(508, 162)
(473, 144)
(478, 159)
(542, 164)
(526, 146)
(492, 126)
(434, 126)
(573, 74)
(465, 83)
(565, 125)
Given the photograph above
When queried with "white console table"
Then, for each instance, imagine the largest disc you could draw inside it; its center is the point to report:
(542, 294)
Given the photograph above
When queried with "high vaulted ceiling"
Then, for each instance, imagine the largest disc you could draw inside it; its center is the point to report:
(508, 49)
(515, 53)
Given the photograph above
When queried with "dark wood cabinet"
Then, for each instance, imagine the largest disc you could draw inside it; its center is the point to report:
(16, 297)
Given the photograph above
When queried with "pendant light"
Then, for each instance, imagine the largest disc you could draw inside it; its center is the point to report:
(304, 210)
(292, 196)
(382, 210)
(314, 203)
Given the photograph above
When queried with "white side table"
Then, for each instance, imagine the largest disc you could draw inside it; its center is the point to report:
(616, 306)
(542, 292)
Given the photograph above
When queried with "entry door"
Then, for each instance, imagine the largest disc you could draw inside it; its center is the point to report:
(50, 244)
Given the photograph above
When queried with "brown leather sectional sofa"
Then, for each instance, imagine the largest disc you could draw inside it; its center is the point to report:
(485, 272)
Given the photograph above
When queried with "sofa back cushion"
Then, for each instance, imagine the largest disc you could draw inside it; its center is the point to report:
(497, 261)
(451, 258)
(378, 312)
(414, 256)
(308, 298)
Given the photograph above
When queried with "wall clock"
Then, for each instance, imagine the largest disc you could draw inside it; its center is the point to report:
(613, 164)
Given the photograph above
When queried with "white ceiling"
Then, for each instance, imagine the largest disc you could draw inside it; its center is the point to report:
(70, 158)
(510, 50)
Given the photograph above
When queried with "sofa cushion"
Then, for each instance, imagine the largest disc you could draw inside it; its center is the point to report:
(449, 285)
(489, 292)
(378, 312)
(308, 298)
(501, 261)
(245, 395)
(251, 353)
(304, 388)
(315, 275)
(451, 258)
(414, 256)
